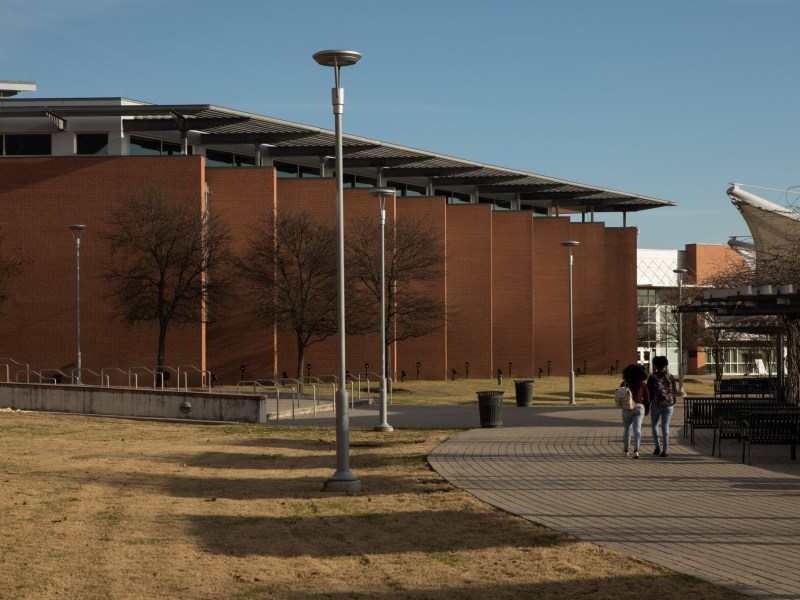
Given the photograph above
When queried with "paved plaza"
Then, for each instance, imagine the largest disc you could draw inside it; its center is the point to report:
(718, 519)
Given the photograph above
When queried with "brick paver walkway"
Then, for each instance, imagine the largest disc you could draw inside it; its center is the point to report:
(735, 525)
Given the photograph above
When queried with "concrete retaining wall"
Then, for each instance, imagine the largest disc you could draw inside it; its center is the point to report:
(125, 402)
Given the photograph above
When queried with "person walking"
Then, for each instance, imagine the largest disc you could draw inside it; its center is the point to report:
(663, 391)
(634, 377)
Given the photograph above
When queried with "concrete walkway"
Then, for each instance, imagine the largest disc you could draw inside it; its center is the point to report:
(733, 524)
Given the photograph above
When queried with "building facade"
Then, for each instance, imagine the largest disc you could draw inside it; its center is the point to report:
(505, 271)
(658, 292)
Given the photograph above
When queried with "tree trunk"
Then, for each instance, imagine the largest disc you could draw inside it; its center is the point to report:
(301, 355)
(792, 386)
(162, 347)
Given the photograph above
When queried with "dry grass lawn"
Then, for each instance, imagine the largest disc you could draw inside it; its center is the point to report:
(111, 508)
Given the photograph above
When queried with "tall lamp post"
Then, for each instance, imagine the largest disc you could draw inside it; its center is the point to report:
(343, 480)
(570, 245)
(381, 194)
(680, 273)
(77, 231)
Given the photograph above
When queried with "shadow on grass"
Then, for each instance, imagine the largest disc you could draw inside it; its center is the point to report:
(633, 587)
(376, 533)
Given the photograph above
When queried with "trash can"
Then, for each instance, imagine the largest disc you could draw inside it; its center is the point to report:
(490, 407)
(524, 390)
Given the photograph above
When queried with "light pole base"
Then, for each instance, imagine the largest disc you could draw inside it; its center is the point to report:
(339, 484)
(383, 427)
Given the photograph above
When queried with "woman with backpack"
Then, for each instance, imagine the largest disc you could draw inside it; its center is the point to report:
(634, 377)
(663, 391)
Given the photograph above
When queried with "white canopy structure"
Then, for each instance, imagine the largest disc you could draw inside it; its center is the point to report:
(773, 227)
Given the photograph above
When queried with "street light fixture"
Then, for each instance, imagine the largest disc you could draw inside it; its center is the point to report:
(381, 194)
(570, 245)
(77, 231)
(343, 480)
(680, 273)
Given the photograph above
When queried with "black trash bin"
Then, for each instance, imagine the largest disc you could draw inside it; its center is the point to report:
(524, 390)
(490, 407)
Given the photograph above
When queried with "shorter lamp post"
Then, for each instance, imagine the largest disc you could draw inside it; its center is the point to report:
(466, 370)
(680, 273)
(381, 194)
(570, 245)
(77, 231)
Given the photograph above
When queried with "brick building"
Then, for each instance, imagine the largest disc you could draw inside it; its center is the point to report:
(69, 161)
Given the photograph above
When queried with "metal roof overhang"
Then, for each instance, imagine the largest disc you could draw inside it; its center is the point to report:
(748, 301)
(276, 138)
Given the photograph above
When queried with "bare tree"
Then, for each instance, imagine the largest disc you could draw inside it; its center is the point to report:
(9, 267)
(170, 264)
(291, 268)
(414, 259)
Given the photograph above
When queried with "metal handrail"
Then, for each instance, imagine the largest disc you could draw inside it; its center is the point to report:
(257, 383)
(107, 379)
(81, 371)
(159, 371)
(205, 375)
(5, 362)
(131, 369)
(41, 375)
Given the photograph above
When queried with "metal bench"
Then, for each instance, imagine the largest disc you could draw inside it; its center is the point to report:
(698, 412)
(747, 387)
(771, 428)
(729, 417)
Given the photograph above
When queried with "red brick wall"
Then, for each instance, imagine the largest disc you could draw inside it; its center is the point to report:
(703, 260)
(243, 198)
(469, 290)
(430, 351)
(505, 285)
(604, 295)
(39, 197)
(512, 293)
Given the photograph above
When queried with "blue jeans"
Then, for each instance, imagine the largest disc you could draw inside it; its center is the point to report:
(664, 413)
(633, 418)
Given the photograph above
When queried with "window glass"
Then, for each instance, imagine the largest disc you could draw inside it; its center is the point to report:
(28, 144)
(145, 147)
(243, 160)
(215, 158)
(415, 190)
(362, 181)
(170, 149)
(91, 143)
(308, 171)
(286, 170)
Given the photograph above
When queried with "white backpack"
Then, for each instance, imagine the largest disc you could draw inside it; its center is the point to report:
(623, 397)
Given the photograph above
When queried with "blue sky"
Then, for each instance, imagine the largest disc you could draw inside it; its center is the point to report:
(672, 99)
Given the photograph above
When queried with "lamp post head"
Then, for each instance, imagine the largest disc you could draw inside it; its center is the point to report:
(337, 58)
(77, 230)
(381, 192)
(570, 244)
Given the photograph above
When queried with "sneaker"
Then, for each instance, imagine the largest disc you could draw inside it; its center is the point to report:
(635, 454)
(626, 452)
(657, 451)
(663, 454)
